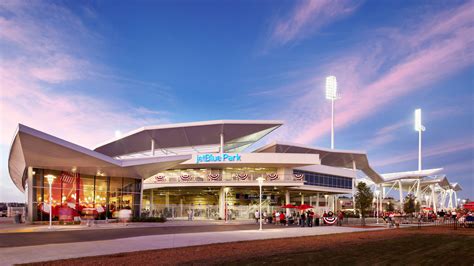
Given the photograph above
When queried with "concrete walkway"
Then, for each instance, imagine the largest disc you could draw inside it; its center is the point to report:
(26, 254)
(28, 228)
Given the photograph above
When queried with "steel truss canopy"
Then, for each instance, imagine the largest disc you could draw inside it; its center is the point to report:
(329, 157)
(33, 148)
(186, 138)
(411, 174)
(426, 177)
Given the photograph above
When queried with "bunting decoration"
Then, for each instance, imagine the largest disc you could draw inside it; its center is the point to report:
(186, 177)
(272, 176)
(213, 177)
(330, 220)
(160, 177)
(242, 176)
(298, 176)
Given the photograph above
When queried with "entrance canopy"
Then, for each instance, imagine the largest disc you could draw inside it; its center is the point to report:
(33, 148)
(187, 138)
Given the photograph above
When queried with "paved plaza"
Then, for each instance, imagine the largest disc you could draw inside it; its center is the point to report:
(44, 246)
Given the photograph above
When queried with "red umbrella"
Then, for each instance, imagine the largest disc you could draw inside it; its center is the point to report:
(288, 206)
(469, 206)
(304, 207)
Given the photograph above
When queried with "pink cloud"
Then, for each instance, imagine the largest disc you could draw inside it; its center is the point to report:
(436, 56)
(449, 147)
(44, 53)
(309, 16)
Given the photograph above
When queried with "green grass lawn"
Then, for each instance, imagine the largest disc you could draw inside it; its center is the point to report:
(412, 250)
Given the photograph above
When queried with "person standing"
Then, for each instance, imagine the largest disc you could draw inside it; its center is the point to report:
(308, 218)
(303, 219)
(316, 219)
(282, 219)
(277, 217)
(340, 218)
(257, 216)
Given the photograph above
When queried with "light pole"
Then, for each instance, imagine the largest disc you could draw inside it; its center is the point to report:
(50, 182)
(331, 94)
(226, 190)
(260, 184)
(420, 128)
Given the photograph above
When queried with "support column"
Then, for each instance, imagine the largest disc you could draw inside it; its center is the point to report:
(433, 198)
(30, 197)
(455, 199)
(450, 201)
(141, 197)
(222, 203)
(302, 198)
(335, 203)
(181, 207)
(152, 147)
(222, 143)
(381, 197)
(311, 200)
(317, 202)
(287, 201)
(417, 195)
(151, 201)
(400, 188)
(354, 186)
(167, 199)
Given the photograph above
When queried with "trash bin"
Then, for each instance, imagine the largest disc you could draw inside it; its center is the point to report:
(18, 218)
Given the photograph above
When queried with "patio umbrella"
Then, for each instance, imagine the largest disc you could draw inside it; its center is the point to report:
(288, 206)
(304, 207)
(469, 206)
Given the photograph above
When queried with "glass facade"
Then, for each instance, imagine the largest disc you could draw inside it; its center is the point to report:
(324, 180)
(75, 194)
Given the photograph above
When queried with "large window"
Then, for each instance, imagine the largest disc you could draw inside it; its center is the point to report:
(324, 180)
(75, 194)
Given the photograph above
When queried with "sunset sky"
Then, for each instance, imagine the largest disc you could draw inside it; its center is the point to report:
(80, 70)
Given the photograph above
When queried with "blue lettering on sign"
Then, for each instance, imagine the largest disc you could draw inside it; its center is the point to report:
(208, 158)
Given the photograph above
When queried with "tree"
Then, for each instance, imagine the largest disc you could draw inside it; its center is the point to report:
(417, 206)
(389, 207)
(409, 204)
(363, 199)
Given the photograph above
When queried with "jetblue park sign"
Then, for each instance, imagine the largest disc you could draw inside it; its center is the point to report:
(212, 158)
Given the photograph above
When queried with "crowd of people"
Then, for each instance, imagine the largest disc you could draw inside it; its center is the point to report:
(302, 218)
(465, 218)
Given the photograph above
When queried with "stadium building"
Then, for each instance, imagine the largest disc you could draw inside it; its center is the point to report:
(200, 168)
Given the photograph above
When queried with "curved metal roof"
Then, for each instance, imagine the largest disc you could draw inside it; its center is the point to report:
(330, 157)
(33, 148)
(411, 174)
(172, 138)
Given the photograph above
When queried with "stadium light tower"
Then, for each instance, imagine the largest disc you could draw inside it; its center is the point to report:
(331, 94)
(420, 128)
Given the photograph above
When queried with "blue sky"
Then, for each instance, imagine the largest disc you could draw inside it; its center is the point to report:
(82, 69)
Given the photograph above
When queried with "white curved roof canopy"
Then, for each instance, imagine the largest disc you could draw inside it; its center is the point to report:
(410, 174)
(33, 148)
(329, 157)
(195, 137)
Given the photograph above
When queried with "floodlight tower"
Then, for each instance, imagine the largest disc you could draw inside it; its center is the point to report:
(331, 94)
(420, 128)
